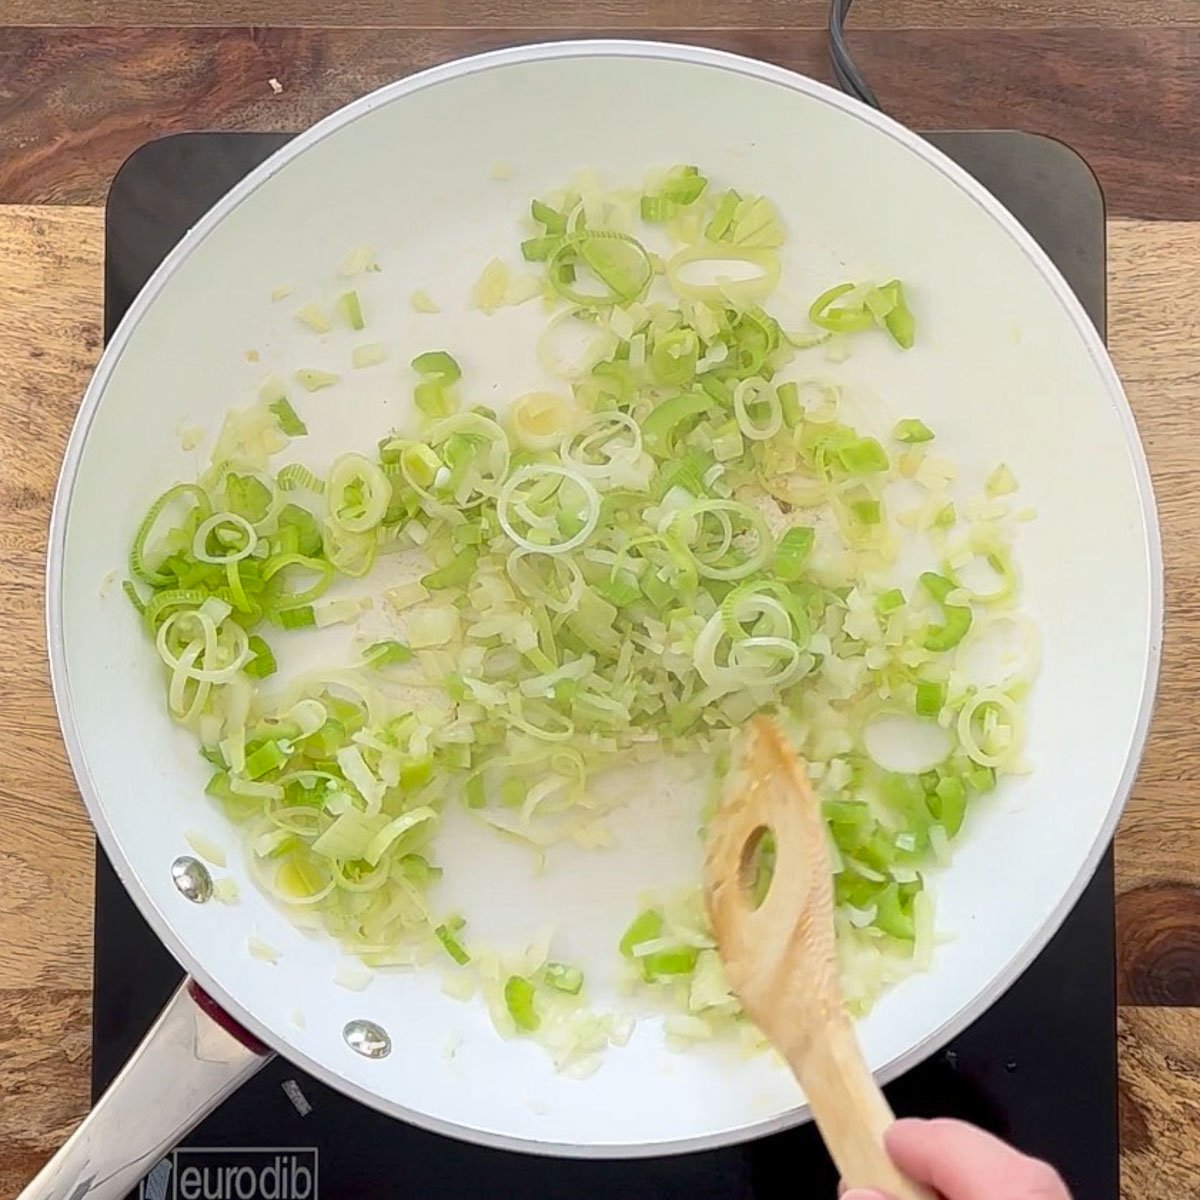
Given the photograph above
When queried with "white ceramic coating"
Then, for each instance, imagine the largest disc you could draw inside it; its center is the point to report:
(1007, 367)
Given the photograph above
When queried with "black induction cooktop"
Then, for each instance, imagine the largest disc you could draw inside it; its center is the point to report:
(1039, 1068)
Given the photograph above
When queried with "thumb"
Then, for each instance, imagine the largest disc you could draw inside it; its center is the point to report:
(864, 1194)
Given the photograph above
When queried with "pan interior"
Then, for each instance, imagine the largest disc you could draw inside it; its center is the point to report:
(1007, 369)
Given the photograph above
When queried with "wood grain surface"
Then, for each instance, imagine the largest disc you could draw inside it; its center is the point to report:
(610, 14)
(84, 82)
(50, 261)
(75, 102)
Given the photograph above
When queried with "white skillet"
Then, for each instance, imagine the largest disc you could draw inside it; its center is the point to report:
(1008, 367)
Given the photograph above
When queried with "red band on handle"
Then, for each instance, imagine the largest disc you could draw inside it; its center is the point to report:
(212, 1009)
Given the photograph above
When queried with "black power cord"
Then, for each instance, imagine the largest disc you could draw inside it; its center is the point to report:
(850, 79)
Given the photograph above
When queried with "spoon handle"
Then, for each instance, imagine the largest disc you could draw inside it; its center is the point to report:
(780, 953)
(849, 1109)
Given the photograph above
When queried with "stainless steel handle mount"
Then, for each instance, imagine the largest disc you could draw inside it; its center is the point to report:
(192, 1058)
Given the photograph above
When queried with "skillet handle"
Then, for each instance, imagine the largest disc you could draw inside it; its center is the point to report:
(191, 1059)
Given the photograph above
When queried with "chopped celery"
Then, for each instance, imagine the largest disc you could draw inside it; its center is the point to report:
(645, 927)
(951, 803)
(930, 698)
(384, 654)
(263, 663)
(792, 553)
(863, 457)
(519, 998)
(285, 414)
(912, 431)
(438, 364)
(681, 960)
(452, 945)
(957, 617)
(350, 308)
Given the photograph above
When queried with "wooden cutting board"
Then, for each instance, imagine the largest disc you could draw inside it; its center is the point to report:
(50, 312)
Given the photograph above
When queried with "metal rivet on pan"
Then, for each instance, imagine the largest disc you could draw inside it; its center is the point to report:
(192, 879)
(368, 1039)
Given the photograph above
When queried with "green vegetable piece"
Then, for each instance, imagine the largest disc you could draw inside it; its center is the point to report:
(620, 589)
(906, 794)
(850, 317)
(788, 395)
(295, 476)
(285, 414)
(563, 978)
(889, 602)
(350, 307)
(980, 779)
(673, 359)
(656, 209)
(131, 592)
(685, 472)
(851, 821)
(417, 868)
(550, 218)
(912, 431)
(950, 804)
(718, 229)
(279, 567)
(432, 398)
(519, 998)
(684, 185)
(456, 573)
(386, 653)
(946, 518)
(660, 426)
(616, 260)
(657, 590)
(792, 553)
(248, 497)
(900, 322)
(867, 511)
(539, 249)
(263, 663)
(267, 758)
(475, 794)
(645, 927)
(309, 542)
(451, 944)
(218, 786)
(295, 618)
(513, 792)
(957, 616)
(931, 698)
(893, 914)
(438, 364)
(865, 456)
(420, 463)
(416, 773)
(680, 960)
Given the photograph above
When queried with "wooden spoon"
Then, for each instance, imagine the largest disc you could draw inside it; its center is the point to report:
(781, 960)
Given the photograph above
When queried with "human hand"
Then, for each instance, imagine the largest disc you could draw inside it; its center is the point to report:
(961, 1162)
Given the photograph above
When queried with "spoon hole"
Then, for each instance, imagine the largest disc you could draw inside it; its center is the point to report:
(756, 871)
